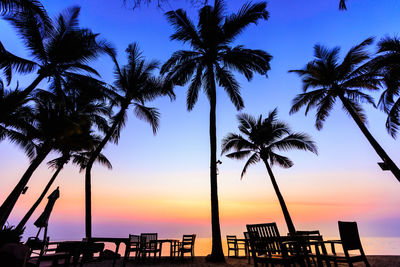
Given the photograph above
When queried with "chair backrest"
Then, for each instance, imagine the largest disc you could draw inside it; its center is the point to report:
(188, 241)
(264, 238)
(134, 240)
(246, 235)
(231, 240)
(349, 235)
(145, 239)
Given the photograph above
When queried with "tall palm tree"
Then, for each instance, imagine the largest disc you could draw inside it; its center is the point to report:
(51, 128)
(135, 85)
(79, 157)
(84, 100)
(57, 50)
(211, 61)
(387, 62)
(343, 80)
(263, 138)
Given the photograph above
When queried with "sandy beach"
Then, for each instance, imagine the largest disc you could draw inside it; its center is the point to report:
(375, 261)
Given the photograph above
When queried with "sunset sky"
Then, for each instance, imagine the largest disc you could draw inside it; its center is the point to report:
(161, 183)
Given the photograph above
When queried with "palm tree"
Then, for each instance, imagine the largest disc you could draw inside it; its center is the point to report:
(80, 157)
(83, 99)
(137, 85)
(57, 50)
(210, 62)
(344, 80)
(50, 128)
(388, 63)
(263, 138)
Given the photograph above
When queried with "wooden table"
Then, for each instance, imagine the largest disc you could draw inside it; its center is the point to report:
(172, 246)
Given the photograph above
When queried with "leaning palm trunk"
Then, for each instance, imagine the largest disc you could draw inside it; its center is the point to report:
(285, 211)
(88, 177)
(12, 198)
(378, 149)
(36, 204)
(217, 253)
(32, 86)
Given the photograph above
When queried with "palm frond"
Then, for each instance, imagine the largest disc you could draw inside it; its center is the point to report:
(185, 30)
(148, 114)
(280, 160)
(253, 159)
(248, 14)
(231, 86)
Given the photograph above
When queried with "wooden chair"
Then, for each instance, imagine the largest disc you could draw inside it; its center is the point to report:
(187, 246)
(134, 246)
(235, 245)
(304, 238)
(232, 245)
(149, 245)
(247, 246)
(349, 241)
(268, 247)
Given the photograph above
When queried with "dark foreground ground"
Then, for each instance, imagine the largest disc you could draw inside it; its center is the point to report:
(375, 261)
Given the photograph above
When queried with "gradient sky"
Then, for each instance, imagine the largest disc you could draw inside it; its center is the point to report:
(161, 183)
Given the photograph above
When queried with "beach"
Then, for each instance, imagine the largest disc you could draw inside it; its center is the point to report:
(374, 260)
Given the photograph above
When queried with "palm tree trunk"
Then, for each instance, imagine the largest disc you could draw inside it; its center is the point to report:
(32, 86)
(36, 204)
(378, 149)
(285, 211)
(92, 159)
(217, 253)
(12, 198)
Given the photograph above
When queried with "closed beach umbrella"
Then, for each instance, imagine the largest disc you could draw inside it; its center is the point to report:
(44, 217)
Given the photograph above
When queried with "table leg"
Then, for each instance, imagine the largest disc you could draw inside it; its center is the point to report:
(116, 252)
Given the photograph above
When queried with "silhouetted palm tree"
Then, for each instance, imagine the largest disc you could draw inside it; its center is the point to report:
(84, 100)
(52, 127)
(60, 49)
(333, 79)
(263, 138)
(388, 63)
(80, 156)
(210, 62)
(137, 85)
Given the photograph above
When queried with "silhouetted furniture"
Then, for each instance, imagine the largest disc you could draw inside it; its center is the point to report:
(236, 245)
(349, 240)
(248, 247)
(306, 240)
(268, 247)
(173, 246)
(50, 254)
(134, 246)
(149, 245)
(116, 240)
(187, 246)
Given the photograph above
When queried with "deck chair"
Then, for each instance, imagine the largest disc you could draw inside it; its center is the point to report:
(349, 241)
(268, 247)
(187, 246)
